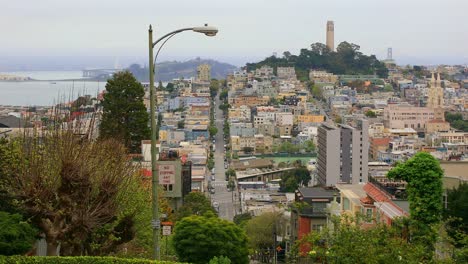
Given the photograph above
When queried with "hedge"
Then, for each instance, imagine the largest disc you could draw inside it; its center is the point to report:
(77, 260)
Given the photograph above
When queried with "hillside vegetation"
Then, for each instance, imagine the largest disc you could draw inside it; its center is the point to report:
(346, 60)
(167, 71)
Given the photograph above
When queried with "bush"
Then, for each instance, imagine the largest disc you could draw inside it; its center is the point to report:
(77, 260)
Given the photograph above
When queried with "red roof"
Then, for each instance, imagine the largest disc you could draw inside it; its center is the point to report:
(380, 141)
(366, 200)
(376, 194)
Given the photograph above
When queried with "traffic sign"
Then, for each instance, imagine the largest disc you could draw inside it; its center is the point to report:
(279, 248)
(156, 224)
(166, 230)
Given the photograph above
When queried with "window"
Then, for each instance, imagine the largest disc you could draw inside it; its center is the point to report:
(346, 205)
(369, 214)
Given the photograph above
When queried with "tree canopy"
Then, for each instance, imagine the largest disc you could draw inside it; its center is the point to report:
(16, 236)
(346, 60)
(195, 203)
(291, 180)
(73, 189)
(124, 114)
(348, 242)
(424, 175)
(198, 239)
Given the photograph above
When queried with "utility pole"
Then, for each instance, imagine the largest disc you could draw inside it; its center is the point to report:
(156, 223)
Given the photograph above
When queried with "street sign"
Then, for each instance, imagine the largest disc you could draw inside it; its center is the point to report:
(156, 224)
(166, 230)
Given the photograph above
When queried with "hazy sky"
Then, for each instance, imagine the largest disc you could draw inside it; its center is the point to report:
(419, 31)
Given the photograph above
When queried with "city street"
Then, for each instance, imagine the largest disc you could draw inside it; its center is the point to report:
(222, 196)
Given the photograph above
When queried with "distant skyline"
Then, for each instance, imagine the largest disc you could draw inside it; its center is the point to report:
(85, 33)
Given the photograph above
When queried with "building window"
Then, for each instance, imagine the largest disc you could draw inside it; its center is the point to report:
(369, 214)
(346, 205)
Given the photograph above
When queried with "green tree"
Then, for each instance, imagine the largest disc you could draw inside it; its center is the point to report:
(220, 260)
(456, 214)
(424, 175)
(338, 120)
(309, 146)
(214, 87)
(213, 131)
(242, 219)
(197, 239)
(124, 114)
(291, 180)
(371, 114)
(195, 203)
(260, 230)
(16, 235)
(210, 164)
(348, 242)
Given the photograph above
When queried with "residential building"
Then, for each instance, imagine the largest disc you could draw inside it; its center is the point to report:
(204, 72)
(343, 154)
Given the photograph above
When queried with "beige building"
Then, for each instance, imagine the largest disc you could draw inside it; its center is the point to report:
(322, 77)
(407, 116)
(435, 99)
(204, 72)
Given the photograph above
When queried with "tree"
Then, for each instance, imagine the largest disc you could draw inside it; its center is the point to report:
(456, 213)
(214, 87)
(338, 120)
(124, 115)
(242, 219)
(424, 177)
(197, 239)
(347, 242)
(291, 180)
(371, 114)
(195, 203)
(213, 131)
(260, 230)
(309, 146)
(220, 260)
(72, 187)
(247, 149)
(16, 235)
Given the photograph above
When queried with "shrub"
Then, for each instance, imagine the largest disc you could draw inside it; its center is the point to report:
(77, 260)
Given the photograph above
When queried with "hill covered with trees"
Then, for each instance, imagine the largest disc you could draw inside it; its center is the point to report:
(347, 59)
(169, 70)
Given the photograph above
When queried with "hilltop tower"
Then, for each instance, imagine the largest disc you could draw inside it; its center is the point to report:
(331, 35)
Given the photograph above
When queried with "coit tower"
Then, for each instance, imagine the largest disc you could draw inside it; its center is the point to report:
(330, 35)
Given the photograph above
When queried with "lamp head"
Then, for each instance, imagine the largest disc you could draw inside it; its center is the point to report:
(207, 30)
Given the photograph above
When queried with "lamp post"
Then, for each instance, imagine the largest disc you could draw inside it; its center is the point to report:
(208, 31)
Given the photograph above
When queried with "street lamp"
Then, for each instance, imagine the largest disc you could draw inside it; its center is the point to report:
(208, 31)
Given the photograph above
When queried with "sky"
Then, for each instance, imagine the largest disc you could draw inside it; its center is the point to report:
(98, 33)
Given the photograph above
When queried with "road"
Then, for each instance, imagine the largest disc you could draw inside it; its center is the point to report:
(222, 196)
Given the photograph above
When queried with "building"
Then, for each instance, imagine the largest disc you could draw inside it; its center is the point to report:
(331, 35)
(343, 154)
(314, 216)
(407, 116)
(204, 72)
(286, 73)
(435, 99)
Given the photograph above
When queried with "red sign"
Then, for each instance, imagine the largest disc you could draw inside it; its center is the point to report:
(167, 173)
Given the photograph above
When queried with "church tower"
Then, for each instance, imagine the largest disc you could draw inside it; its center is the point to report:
(436, 97)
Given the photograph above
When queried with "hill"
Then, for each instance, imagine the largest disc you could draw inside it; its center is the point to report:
(346, 60)
(167, 71)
